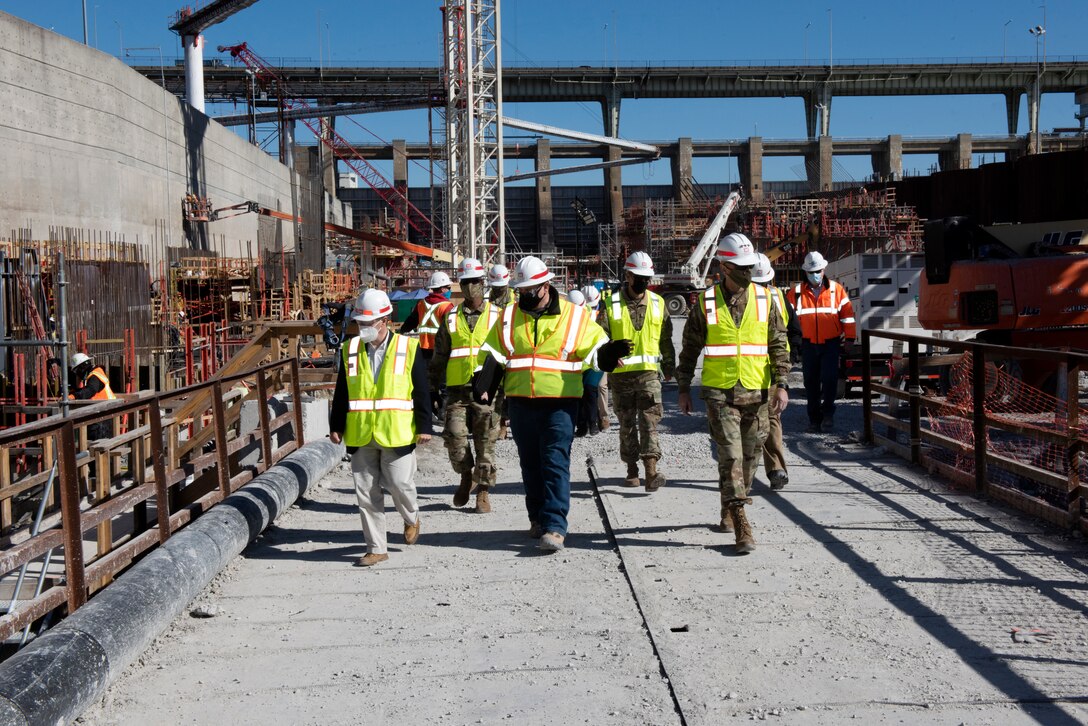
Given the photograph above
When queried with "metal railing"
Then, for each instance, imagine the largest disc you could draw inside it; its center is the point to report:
(967, 411)
(183, 452)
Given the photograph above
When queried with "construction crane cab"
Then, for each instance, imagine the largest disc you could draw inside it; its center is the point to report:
(679, 289)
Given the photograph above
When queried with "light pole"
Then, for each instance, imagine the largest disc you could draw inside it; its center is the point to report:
(1005, 40)
(830, 41)
(1039, 32)
(84, 22)
(807, 26)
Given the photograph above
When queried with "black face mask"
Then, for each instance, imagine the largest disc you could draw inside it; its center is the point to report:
(639, 284)
(473, 290)
(741, 277)
(529, 300)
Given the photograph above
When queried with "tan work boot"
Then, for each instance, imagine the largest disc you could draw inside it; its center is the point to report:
(632, 479)
(460, 497)
(483, 503)
(371, 559)
(411, 531)
(745, 541)
(654, 480)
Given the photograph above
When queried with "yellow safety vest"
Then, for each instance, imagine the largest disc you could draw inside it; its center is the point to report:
(552, 368)
(735, 354)
(380, 411)
(646, 354)
(465, 342)
(780, 302)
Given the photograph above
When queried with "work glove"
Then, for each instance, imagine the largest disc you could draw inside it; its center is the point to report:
(486, 382)
(609, 354)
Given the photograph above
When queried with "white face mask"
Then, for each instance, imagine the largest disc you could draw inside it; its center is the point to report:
(368, 334)
(815, 278)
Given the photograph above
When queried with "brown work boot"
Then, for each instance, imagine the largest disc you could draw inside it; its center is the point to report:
(745, 541)
(460, 497)
(483, 503)
(371, 559)
(535, 530)
(411, 531)
(654, 480)
(632, 479)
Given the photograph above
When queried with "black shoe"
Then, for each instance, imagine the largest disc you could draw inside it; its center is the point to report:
(579, 432)
(813, 427)
(827, 425)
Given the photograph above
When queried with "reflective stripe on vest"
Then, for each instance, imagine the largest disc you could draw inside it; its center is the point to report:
(735, 354)
(106, 394)
(546, 369)
(380, 410)
(646, 353)
(824, 316)
(429, 321)
(465, 343)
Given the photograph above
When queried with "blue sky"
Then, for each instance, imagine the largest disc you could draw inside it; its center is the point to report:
(363, 32)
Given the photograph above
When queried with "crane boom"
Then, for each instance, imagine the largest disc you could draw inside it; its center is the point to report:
(698, 264)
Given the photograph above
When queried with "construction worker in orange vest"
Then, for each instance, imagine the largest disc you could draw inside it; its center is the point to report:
(827, 324)
(94, 385)
(427, 318)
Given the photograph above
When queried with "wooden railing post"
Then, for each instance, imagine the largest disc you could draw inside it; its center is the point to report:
(915, 389)
(266, 420)
(296, 399)
(219, 418)
(158, 467)
(978, 401)
(1074, 448)
(866, 387)
(75, 575)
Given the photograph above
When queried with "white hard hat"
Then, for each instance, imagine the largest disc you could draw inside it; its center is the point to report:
(762, 272)
(469, 269)
(499, 276)
(576, 297)
(639, 263)
(439, 279)
(738, 249)
(592, 295)
(814, 262)
(529, 272)
(79, 359)
(372, 305)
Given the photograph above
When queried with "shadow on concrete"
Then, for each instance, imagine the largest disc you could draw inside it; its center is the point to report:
(988, 664)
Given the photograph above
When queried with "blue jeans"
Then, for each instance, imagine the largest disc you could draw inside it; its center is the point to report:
(543, 431)
(820, 367)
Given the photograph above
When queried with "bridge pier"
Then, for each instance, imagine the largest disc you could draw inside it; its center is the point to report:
(818, 163)
(958, 156)
(751, 168)
(400, 173)
(610, 111)
(888, 160)
(818, 108)
(1033, 118)
(545, 221)
(613, 183)
(680, 160)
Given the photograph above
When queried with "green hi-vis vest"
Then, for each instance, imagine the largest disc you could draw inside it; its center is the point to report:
(380, 411)
(735, 354)
(646, 354)
(566, 344)
(779, 298)
(465, 342)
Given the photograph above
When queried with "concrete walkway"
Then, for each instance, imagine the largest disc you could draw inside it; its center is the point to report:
(875, 594)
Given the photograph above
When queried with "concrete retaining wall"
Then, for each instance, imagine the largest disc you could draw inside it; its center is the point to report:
(91, 144)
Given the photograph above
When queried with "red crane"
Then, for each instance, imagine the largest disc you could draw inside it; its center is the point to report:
(266, 76)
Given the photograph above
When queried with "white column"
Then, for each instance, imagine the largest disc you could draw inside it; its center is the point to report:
(194, 70)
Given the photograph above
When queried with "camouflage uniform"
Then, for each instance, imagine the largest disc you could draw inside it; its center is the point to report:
(738, 417)
(468, 425)
(636, 396)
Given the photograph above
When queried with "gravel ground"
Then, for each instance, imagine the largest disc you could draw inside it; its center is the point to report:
(875, 594)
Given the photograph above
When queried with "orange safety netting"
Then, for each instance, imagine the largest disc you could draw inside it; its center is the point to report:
(1035, 417)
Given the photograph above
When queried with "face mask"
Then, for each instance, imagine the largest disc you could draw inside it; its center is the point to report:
(474, 290)
(639, 284)
(368, 334)
(814, 278)
(497, 292)
(529, 300)
(741, 277)
(447, 294)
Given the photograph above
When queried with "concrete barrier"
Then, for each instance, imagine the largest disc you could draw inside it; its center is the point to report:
(61, 673)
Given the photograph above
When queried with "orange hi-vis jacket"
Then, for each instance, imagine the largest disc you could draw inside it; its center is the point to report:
(824, 317)
(431, 316)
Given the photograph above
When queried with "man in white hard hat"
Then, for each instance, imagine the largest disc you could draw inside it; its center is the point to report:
(468, 424)
(774, 449)
(92, 385)
(380, 410)
(498, 277)
(827, 323)
(538, 350)
(742, 337)
(637, 314)
(593, 302)
(426, 318)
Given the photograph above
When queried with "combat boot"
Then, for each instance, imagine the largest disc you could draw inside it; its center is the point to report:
(632, 479)
(745, 541)
(483, 503)
(654, 479)
(460, 498)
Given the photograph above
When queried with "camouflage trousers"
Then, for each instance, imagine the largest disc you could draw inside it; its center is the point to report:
(637, 404)
(739, 432)
(469, 427)
(774, 449)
